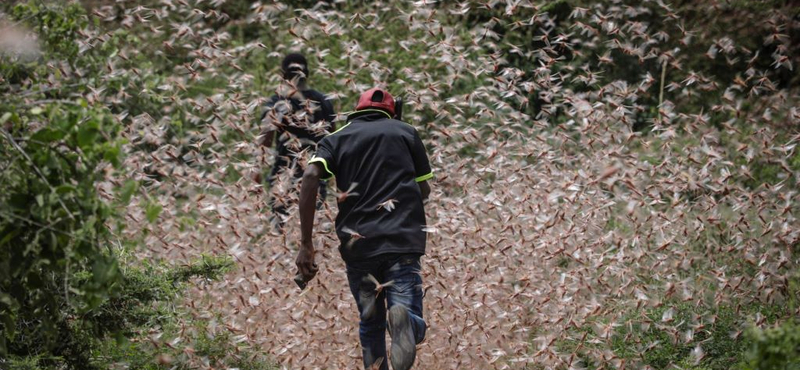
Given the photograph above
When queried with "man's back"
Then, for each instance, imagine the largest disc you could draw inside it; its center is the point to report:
(378, 161)
(382, 169)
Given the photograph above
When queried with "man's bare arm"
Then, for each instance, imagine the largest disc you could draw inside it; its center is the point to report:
(308, 201)
(425, 188)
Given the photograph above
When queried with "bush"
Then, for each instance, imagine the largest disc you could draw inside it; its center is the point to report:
(57, 261)
(776, 348)
(145, 310)
(120, 331)
(52, 224)
(66, 302)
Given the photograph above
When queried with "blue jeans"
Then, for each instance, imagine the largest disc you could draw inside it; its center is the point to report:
(406, 290)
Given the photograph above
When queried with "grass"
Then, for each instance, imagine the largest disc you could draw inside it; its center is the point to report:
(643, 338)
(120, 333)
(214, 348)
(663, 346)
(148, 308)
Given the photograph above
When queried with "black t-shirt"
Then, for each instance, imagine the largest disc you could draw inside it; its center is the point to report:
(305, 121)
(379, 160)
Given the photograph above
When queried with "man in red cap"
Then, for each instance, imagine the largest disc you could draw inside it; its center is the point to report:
(381, 169)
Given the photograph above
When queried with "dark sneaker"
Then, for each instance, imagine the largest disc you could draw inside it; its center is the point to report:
(404, 348)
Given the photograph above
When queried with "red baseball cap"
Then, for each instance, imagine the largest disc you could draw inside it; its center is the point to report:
(376, 98)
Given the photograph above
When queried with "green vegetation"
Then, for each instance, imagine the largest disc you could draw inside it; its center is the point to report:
(66, 301)
(138, 327)
(678, 334)
(57, 251)
(775, 348)
(718, 336)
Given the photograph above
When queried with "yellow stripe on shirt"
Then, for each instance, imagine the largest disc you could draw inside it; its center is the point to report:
(324, 164)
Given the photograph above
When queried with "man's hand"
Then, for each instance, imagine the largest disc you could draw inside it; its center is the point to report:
(306, 266)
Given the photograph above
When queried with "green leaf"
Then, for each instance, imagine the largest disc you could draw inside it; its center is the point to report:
(127, 190)
(40, 200)
(65, 189)
(104, 270)
(152, 211)
(112, 155)
(87, 134)
(11, 234)
(10, 326)
(48, 135)
(6, 116)
(36, 111)
(6, 299)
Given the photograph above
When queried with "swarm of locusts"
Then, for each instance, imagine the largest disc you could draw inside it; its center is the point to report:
(567, 208)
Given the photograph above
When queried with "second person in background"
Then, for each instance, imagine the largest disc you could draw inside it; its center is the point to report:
(298, 117)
